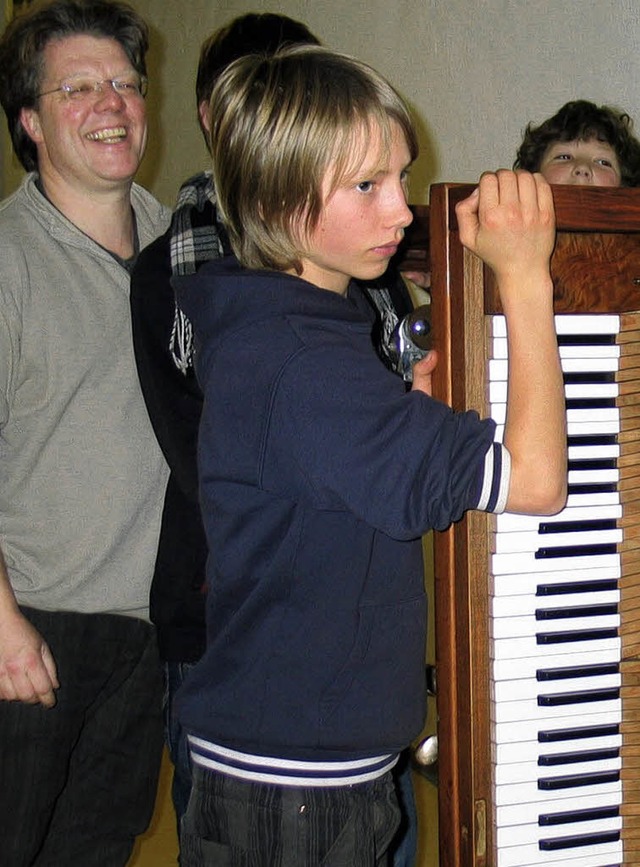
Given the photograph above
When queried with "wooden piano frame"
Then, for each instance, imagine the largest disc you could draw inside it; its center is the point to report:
(596, 268)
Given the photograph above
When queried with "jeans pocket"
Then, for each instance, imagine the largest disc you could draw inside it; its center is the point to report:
(195, 851)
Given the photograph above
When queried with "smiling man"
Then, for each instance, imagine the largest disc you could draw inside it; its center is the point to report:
(82, 478)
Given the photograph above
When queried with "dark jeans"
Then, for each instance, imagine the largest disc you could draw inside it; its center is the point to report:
(78, 781)
(404, 845)
(234, 823)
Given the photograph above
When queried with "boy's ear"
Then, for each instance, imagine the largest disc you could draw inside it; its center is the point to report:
(30, 120)
(203, 111)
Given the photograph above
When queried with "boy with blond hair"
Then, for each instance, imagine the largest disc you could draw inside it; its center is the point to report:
(318, 471)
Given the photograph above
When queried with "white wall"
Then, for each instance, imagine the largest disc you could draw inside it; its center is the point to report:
(476, 71)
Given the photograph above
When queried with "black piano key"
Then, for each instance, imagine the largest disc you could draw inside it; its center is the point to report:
(569, 672)
(592, 440)
(603, 610)
(584, 488)
(571, 587)
(551, 760)
(597, 550)
(576, 377)
(590, 814)
(593, 464)
(553, 736)
(573, 842)
(576, 635)
(583, 696)
(550, 527)
(575, 781)
(587, 339)
(590, 403)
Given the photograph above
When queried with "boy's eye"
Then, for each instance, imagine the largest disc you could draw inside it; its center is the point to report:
(365, 186)
(562, 157)
(605, 162)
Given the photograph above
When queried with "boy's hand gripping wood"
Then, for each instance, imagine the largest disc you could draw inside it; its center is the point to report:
(509, 222)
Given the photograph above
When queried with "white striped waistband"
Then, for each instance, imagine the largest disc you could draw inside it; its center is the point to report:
(288, 772)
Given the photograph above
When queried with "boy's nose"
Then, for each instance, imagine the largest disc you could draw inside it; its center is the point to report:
(401, 214)
(582, 170)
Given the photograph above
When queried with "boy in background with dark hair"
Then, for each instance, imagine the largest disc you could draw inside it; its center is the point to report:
(583, 143)
(319, 473)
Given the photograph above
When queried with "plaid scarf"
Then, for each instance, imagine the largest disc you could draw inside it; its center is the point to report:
(196, 237)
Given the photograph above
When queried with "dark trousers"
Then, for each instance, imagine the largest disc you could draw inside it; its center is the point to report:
(78, 781)
(176, 737)
(404, 845)
(234, 823)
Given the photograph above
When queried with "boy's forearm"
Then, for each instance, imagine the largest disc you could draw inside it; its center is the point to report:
(535, 429)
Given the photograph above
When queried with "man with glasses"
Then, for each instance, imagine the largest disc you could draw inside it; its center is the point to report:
(82, 478)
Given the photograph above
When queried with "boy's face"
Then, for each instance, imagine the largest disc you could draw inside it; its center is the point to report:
(362, 220)
(581, 162)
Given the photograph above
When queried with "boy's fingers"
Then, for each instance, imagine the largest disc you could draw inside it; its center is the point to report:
(422, 371)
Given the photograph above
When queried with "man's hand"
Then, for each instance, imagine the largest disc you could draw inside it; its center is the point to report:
(27, 669)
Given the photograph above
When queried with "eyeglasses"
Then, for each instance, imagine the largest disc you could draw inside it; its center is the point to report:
(85, 89)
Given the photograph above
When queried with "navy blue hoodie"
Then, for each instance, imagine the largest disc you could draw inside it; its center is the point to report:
(322, 473)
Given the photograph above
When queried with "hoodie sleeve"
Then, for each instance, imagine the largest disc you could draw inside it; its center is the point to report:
(343, 431)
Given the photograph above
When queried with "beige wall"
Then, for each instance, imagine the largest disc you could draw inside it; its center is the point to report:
(476, 71)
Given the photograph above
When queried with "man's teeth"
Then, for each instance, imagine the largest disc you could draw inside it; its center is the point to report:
(114, 134)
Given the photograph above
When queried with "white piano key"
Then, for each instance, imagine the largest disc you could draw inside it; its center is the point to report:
(514, 668)
(601, 415)
(521, 711)
(569, 323)
(575, 390)
(509, 522)
(598, 855)
(510, 564)
(529, 688)
(526, 605)
(518, 731)
(587, 323)
(522, 772)
(594, 477)
(521, 812)
(506, 628)
(498, 368)
(586, 353)
(585, 453)
(498, 349)
(591, 390)
(603, 498)
(517, 793)
(526, 583)
(531, 540)
(529, 751)
(596, 427)
(594, 365)
(532, 832)
(505, 648)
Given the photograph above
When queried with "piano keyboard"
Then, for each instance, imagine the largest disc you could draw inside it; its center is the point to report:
(565, 637)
